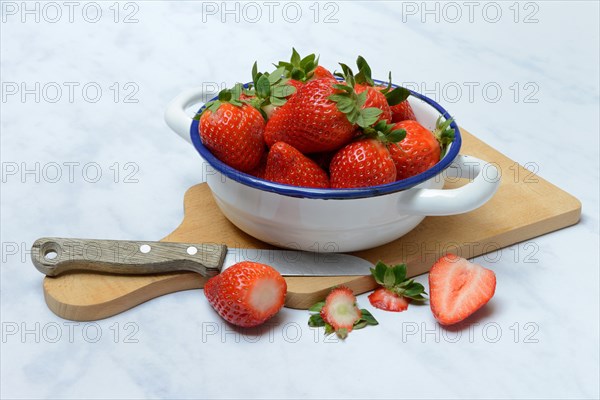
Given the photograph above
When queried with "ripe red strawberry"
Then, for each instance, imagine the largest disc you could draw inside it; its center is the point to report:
(363, 163)
(287, 165)
(375, 99)
(397, 291)
(321, 72)
(233, 131)
(402, 112)
(387, 300)
(310, 121)
(421, 149)
(458, 288)
(340, 310)
(247, 293)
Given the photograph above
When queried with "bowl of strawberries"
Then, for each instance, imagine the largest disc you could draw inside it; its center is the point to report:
(305, 159)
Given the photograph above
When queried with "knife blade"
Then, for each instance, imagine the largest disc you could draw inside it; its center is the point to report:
(54, 256)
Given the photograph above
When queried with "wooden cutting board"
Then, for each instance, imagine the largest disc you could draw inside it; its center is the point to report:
(524, 207)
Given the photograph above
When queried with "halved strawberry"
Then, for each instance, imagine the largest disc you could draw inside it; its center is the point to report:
(387, 300)
(247, 293)
(458, 288)
(397, 290)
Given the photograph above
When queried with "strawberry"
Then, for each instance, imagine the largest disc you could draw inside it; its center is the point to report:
(247, 293)
(458, 288)
(387, 300)
(366, 161)
(421, 149)
(363, 163)
(287, 165)
(375, 99)
(321, 72)
(396, 291)
(402, 112)
(233, 131)
(310, 121)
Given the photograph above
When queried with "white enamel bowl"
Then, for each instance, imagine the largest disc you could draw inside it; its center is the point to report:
(339, 220)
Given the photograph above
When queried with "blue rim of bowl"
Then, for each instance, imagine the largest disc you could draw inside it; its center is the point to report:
(312, 193)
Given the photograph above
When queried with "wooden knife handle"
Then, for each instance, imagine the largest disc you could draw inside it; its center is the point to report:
(53, 256)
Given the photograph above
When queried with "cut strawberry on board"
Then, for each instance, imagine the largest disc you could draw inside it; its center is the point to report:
(247, 293)
(458, 288)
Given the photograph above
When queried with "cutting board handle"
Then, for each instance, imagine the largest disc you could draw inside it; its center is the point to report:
(53, 256)
(485, 180)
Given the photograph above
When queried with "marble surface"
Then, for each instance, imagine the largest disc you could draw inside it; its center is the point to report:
(538, 338)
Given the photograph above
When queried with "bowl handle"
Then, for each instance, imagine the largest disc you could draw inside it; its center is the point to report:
(176, 116)
(485, 180)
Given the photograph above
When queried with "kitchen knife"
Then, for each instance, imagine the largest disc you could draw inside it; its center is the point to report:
(53, 256)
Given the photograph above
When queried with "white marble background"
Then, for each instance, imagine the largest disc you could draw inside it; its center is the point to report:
(548, 291)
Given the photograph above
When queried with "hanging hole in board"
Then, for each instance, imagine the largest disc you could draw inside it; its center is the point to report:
(145, 248)
(192, 250)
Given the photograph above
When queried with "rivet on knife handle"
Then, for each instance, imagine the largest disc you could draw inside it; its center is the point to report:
(53, 256)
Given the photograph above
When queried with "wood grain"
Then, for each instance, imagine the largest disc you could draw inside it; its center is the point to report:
(524, 207)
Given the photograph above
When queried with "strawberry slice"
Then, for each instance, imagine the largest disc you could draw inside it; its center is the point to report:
(340, 314)
(459, 288)
(340, 310)
(387, 300)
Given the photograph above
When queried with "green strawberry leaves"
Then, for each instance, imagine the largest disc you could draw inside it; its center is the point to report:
(269, 88)
(394, 278)
(364, 72)
(384, 132)
(300, 69)
(316, 321)
(225, 96)
(351, 103)
(444, 134)
(396, 95)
